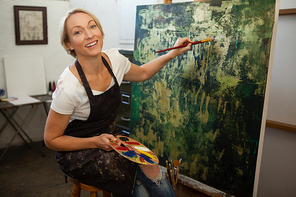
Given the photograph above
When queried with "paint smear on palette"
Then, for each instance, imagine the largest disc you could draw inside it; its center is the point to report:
(134, 151)
(130, 153)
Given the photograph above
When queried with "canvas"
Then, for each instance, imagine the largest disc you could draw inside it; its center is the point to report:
(205, 106)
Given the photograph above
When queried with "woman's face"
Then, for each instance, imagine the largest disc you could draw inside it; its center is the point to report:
(84, 35)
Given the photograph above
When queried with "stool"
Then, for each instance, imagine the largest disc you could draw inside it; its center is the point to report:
(93, 190)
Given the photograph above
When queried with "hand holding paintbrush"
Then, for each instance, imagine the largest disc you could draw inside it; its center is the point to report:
(186, 44)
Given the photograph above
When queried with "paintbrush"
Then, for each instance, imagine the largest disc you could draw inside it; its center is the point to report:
(169, 172)
(184, 45)
(176, 164)
(173, 173)
(178, 169)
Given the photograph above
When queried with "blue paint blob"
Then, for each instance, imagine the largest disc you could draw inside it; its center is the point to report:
(129, 153)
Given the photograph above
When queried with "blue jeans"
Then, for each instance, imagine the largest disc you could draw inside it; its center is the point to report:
(156, 187)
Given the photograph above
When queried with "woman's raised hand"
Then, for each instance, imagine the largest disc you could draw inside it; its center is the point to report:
(182, 41)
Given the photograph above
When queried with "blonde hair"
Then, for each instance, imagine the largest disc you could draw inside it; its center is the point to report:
(63, 30)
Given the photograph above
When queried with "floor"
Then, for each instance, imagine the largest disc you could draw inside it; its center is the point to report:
(24, 172)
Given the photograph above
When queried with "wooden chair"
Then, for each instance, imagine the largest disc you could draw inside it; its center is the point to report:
(93, 190)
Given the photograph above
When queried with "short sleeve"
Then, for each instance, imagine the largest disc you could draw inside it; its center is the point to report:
(120, 64)
(63, 98)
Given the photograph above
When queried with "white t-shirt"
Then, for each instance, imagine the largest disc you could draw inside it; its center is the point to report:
(70, 96)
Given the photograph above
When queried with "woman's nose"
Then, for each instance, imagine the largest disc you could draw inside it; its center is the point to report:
(89, 34)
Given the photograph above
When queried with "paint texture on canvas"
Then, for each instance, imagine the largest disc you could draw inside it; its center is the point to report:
(205, 106)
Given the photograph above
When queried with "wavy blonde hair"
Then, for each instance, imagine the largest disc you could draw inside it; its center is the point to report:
(63, 29)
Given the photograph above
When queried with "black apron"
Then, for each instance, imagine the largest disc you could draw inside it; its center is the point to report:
(106, 170)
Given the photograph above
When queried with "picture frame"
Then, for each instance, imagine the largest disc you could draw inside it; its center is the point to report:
(30, 25)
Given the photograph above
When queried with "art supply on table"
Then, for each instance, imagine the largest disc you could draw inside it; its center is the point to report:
(184, 45)
(2, 93)
(9, 99)
(134, 150)
(53, 86)
(49, 88)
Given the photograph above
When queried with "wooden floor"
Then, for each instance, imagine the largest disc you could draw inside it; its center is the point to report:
(24, 172)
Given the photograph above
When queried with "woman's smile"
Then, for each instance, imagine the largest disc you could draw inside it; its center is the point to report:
(91, 44)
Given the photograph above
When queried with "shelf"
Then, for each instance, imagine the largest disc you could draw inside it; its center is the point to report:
(287, 11)
(280, 125)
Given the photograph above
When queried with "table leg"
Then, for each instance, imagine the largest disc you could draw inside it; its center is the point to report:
(8, 120)
(20, 129)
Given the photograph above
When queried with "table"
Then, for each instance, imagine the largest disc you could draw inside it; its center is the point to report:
(8, 110)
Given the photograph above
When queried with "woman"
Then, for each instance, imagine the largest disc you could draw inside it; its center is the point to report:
(81, 119)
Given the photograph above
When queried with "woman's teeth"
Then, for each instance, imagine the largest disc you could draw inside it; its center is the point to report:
(91, 44)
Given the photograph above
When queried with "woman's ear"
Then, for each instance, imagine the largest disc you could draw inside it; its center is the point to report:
(70, 47)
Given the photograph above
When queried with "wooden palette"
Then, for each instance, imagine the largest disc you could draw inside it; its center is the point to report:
(134, 151)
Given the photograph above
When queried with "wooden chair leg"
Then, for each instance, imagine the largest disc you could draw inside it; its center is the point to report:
(93, 190)
(93, 194)
(106, 194)
(76, 191)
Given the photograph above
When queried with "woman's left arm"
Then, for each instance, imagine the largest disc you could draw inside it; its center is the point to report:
(148, 70)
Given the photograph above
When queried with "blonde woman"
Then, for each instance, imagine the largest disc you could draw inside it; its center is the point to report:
(81, 120)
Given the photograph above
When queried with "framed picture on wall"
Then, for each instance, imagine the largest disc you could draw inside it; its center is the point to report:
(30, 25)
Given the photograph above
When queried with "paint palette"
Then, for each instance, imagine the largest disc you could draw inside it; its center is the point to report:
(134, 151)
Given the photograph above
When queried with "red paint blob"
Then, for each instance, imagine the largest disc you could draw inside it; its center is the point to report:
(133, 143)
(122, 148)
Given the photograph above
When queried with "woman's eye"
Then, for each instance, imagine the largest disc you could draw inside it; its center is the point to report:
(93, 26)
(77, 32)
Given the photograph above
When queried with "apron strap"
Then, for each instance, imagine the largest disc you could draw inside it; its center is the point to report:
(84, 80)
(109, 69)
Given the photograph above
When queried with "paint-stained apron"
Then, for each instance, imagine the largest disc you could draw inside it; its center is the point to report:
(106, 170)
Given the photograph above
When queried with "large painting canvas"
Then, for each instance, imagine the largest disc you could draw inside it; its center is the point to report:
(205, 106)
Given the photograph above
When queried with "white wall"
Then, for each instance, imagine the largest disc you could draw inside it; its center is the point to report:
(54, 56)
(278, 173)
(282, 105)
(287, 4)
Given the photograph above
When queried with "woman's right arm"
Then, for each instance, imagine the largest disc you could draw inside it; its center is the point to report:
(55, 139)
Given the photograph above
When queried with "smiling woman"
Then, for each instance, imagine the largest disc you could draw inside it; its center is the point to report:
(81, 121)
(64, 34)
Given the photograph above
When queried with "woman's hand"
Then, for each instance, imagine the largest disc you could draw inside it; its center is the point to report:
(181, 41)
(102, 141)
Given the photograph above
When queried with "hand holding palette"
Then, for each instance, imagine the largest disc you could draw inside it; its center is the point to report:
(134, 150)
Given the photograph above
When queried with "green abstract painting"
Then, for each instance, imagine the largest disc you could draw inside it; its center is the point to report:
(205, 106)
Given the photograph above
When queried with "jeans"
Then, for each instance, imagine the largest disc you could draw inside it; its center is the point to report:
(155, 187)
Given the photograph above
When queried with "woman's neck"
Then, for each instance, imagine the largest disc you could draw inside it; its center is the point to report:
(91, 65)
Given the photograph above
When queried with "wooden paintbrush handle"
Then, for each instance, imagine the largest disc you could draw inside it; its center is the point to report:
(184, 45)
